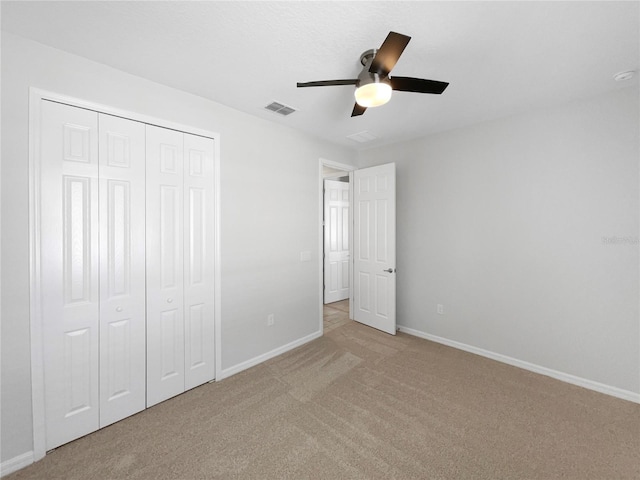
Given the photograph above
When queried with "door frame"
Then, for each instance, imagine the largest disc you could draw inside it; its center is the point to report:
(36, 97)
(347, 169)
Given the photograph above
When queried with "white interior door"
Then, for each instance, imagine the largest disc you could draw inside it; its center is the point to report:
(198, 260)
(122, 268)
(336, 241)
(165, 269)
(69, 253)
(374, 240)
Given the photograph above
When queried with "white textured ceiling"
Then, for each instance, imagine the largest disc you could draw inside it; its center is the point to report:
(501, 58)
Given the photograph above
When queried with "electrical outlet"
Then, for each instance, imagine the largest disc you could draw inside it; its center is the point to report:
(270, 320)
(440, 309)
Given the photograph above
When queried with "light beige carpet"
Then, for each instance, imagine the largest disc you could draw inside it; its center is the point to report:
(358, 403)
(335, 315)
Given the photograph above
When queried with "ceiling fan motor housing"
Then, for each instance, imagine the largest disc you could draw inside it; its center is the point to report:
(365, 77)
(372, 88)
(367, 57)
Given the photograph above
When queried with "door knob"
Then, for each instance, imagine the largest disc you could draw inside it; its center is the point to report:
(169, 300)
(118, 309)
(388, 270)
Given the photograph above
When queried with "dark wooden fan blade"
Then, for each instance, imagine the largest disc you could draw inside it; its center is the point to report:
(389, 53)
(328, 83)
(419, 85)
(358, 110)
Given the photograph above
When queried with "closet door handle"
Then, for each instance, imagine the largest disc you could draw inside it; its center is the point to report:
(118, 309)
(169, 300)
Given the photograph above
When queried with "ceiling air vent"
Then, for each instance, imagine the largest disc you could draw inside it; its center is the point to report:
(280, 108)
(362, 137)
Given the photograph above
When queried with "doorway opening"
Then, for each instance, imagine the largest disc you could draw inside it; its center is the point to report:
(335, 243)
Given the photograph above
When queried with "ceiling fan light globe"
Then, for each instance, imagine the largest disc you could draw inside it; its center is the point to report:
(373, 94)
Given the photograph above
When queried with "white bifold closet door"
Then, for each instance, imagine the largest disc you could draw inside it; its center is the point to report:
(92, 269)
(180, 214)
(126, 239)
(122, 268)
(69, 271)
(198, 260)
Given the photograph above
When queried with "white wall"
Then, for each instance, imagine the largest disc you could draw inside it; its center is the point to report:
(503, 224)
(269, 190)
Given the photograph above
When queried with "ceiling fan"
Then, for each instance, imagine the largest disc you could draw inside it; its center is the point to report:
(374, 85)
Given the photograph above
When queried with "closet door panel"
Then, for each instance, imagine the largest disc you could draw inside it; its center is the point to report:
(122, 268)
(69, 276)
(198, 265)
(165, 315)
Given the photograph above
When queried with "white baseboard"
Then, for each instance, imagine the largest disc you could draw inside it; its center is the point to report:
(16, 463)
(227, 372)
(565, 377)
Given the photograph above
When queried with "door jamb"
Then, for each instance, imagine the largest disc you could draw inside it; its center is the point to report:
(36, 96)
(348, 169)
